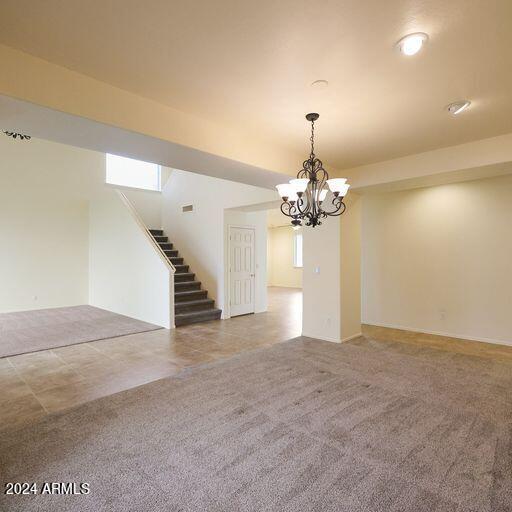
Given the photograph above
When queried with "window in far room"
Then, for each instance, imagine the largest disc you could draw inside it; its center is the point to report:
(297, 249)
(127, 172)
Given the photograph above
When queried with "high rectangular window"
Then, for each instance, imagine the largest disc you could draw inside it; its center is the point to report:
(128, 172)
(297, 249)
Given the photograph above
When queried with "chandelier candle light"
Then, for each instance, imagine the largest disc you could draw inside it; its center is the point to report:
(303, 197)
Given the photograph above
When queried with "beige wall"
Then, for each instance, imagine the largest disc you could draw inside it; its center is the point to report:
(43, 224)
(201, 235)
(321, 283)
(280, 269)
(45, 190)
(332, 276)
(439, 259)
(127, 275)
(350, 261)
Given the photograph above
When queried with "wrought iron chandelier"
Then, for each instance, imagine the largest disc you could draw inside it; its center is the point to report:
(303, 198)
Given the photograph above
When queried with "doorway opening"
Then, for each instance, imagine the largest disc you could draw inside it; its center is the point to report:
(263, 264)
(284, 267)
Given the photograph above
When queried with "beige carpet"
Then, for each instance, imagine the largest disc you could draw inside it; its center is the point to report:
(30, 331)
(302, 426)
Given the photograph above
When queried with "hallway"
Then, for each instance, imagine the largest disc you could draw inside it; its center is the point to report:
(48, 381)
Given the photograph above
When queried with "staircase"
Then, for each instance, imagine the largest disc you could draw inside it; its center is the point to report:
(191, 304)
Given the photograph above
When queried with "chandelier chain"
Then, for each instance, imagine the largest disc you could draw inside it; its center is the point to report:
(312, 139)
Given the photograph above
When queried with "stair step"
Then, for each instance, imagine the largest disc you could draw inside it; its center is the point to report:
(175, 260)
(165, 246)
(157, 232)
(161, 238)
(187, 286)
(189, 295)
(180, 277)
(181, 269)
(171, 253)
(197, 316)
(193, 305)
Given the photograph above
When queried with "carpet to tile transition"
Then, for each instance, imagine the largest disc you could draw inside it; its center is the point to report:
(30, 331)
(303, 426)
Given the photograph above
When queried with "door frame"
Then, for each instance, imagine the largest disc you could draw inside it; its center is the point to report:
(227, 305)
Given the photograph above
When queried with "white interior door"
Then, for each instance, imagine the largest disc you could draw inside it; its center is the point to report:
(241, 270)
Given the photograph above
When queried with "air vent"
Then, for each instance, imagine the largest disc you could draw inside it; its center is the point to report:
(187, 208)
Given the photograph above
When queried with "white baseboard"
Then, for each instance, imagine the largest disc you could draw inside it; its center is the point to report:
(321, 337)
(331, 339)
(439, 333)
(354, 336)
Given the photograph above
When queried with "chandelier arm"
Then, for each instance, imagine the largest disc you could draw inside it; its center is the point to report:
(298, 206)
(312, 198)
(304, 173)
(324, 177)
(290, 209)
(339, 205)
(304, 203)
(321, 183)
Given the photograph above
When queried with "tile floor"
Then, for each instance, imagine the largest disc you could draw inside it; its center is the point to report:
(33, 385)
(412, 340)
(36, 384)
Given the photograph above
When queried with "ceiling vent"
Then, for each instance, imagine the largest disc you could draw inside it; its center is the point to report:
(187, 208)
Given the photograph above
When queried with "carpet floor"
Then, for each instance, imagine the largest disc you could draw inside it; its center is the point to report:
(42, 329)
(302, 426)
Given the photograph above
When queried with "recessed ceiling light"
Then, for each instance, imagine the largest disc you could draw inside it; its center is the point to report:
(320, 84)
(411, 44)
(457, 107)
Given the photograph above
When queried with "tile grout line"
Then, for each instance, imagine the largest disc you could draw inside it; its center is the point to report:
(28, 385)
(70, 366)
(107, 356)
(215, 337)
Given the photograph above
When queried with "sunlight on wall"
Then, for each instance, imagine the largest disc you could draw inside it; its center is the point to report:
(438, 259)
(127, 172)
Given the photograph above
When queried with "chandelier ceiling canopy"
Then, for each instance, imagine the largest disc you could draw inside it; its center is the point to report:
(304, 197)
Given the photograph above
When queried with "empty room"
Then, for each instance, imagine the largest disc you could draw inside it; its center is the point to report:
(256, 256)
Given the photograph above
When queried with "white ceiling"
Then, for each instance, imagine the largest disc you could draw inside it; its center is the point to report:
(249, 65)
